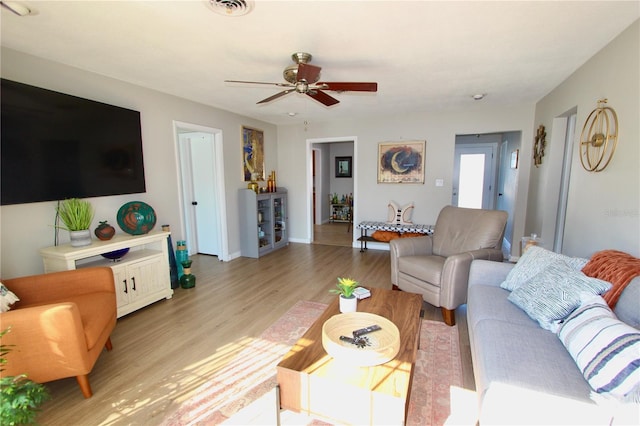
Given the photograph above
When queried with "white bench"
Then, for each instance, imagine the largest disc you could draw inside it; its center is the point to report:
(367, 226)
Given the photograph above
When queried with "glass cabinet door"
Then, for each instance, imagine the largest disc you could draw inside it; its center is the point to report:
(279, 220)
(265, 227)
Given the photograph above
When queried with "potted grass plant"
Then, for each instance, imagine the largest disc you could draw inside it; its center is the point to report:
(345, 288)
(76, 215)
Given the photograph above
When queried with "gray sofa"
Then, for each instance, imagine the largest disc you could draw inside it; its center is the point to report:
(523, 373)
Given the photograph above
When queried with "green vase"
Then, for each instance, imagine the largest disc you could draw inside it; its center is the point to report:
(187, 280)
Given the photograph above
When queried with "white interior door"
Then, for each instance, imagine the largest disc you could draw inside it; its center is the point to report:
(201, 209)
(473, 177)
(204, 191)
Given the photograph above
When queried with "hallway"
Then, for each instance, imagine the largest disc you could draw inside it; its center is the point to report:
(333, 234)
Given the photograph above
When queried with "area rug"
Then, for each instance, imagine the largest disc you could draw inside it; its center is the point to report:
(243, 392)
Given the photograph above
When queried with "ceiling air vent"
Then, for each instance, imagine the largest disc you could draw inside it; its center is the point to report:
(231, 7)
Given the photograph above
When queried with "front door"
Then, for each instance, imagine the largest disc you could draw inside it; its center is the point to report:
(473, 173)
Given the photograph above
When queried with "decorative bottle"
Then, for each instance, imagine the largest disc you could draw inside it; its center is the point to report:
(173, 266)
(527, 242)
(104, 231)
(181, 255)
(187, 280)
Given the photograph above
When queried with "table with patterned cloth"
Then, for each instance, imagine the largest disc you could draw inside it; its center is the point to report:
(367, 226)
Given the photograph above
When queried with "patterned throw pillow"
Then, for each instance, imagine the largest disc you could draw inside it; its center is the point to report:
(7, 298)
(606, 350)
(535, 260)
(554, 293)
(398, 215)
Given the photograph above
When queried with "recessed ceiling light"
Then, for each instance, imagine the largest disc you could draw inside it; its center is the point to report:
(231, 7)
(292, 114)
(479, 96)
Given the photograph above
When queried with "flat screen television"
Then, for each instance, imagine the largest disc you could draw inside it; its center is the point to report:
(55, 146)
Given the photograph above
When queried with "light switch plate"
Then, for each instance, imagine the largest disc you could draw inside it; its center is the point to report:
(439, 182)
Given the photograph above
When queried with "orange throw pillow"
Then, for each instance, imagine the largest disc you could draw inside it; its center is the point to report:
(615, 266)
(411, 235)
(385, 236)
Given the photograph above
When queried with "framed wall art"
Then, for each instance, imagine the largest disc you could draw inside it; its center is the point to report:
(401, 162)
(343, 167)
(252, 153)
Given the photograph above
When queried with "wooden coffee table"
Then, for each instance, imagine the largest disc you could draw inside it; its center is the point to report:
(314, 383)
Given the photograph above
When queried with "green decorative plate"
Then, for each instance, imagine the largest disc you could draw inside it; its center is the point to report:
(136, 218)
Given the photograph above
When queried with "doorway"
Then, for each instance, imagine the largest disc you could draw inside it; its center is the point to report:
(202, 189)
(492, 163)
(322, 181)
(474, 171)
(563, 134)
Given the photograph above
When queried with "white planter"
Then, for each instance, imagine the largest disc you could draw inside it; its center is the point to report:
(348, 305)
(80, 238)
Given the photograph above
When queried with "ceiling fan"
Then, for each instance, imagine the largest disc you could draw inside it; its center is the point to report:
(303, 78)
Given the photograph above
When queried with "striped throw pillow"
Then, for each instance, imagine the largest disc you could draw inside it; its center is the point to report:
(554, 293)
(606, 350)
(535, 260)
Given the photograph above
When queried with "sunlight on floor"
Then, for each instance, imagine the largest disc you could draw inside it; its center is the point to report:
(300, 345)
(464, 405)
(264, 411)
(212, 379)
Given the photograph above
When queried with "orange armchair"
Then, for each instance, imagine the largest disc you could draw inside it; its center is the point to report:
(60, 325)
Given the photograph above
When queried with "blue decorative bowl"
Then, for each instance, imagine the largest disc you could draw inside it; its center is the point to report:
(116, 254)
(136, 218)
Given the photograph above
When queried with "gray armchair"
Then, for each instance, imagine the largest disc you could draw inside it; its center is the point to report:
(437, 266)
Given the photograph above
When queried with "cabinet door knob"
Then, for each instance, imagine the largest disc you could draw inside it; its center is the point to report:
(125, 286)
(133, 285)
(194, 203)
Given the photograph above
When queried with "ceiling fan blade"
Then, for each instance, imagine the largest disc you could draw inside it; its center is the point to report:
(349, 87)
(307, 72)
(322, 97)
(260, 82)
(276, 96)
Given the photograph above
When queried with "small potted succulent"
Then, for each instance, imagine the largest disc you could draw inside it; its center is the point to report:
(345, 288)
(77, 216)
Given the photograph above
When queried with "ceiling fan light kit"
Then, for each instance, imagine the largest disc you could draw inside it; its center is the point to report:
(231, 7)
(17, 8)
(599, 138)
(302, 78)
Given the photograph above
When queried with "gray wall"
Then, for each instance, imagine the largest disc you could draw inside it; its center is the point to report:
(438, 129)
(604, 208)
(342, 186)
(29, 227)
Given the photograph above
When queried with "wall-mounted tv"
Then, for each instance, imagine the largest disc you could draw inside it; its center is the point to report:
(55, 146)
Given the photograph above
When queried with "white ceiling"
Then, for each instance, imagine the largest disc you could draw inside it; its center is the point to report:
(425, 55)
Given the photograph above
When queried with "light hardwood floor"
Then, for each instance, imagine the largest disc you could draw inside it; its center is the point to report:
(162, 353)
(333, 234)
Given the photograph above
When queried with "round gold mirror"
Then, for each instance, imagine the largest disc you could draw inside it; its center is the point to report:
(599, 138)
